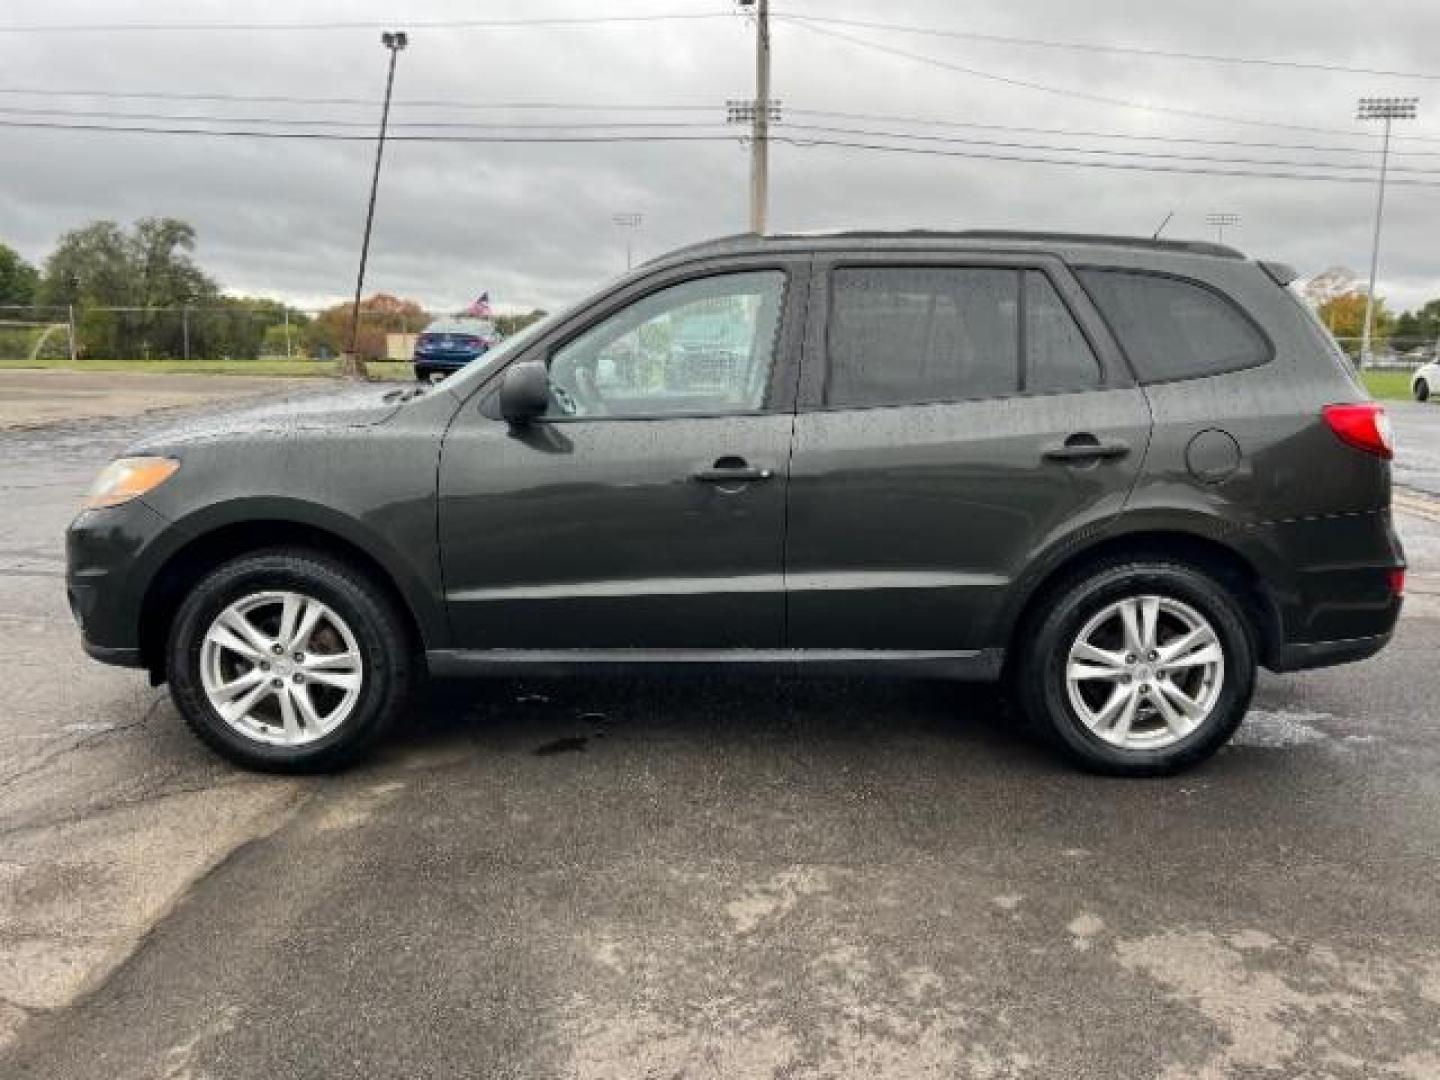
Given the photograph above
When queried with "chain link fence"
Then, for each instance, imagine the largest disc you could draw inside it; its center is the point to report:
(230, 332)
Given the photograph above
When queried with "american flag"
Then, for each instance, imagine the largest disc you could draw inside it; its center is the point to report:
(480, 306)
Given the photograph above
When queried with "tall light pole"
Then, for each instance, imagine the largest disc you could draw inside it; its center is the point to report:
(353, 364)
(1386, 109)
(759, 113)
(631, 224)
(1220, 221)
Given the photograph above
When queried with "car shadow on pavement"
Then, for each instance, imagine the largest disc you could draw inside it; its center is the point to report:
(557, 716)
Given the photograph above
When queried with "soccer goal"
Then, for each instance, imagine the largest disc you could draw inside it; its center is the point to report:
(22, 339)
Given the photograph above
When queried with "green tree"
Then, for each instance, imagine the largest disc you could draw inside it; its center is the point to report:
(150, 269)
(1418, 328)
(19, 281)
(513, 324)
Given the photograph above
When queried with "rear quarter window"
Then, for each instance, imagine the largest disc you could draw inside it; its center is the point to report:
(1173, 328)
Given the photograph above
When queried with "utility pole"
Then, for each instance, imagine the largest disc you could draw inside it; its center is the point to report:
(1386, 109)
(631, 224)
(352, 364)
(1220, 221)
(758, 113)
(760, 146)
(288, 354)
(185, 328)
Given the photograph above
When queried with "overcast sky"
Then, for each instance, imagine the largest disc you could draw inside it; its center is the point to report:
(533, 223)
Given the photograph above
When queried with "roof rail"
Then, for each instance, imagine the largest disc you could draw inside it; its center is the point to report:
(742, 240)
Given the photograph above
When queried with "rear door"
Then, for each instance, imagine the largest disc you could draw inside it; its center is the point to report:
(957, 417)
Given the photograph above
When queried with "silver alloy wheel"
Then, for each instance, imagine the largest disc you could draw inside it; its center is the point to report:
(1145, 672)
(281, 668)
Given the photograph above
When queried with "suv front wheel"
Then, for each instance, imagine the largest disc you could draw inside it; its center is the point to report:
(1140, 668)
(288, 661)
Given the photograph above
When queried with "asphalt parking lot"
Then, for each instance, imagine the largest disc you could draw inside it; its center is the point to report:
(710, 877)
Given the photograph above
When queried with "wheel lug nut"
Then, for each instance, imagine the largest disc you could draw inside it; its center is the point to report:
(299, 657)
(277, 683)
(298, 677)
(1129, 658)
(1153, 656)
(264, 665)
(277, 649)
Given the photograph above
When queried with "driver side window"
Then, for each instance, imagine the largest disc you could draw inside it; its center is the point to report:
(704, 346)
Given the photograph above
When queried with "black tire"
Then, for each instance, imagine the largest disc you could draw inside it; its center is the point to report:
(1046, 649)
(1422, 390)
(370, 616)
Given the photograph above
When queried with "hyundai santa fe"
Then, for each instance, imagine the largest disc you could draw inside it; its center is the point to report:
(1118, 474)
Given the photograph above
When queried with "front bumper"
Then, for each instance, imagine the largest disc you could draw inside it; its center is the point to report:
(108, 556)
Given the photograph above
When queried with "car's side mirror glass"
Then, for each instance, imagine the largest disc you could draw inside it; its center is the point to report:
(525, 392)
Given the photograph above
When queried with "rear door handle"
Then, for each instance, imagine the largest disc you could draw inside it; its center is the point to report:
(1086, 447)
(731, 470)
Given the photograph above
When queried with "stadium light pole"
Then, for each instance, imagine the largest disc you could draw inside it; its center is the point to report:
(353, 365)
(1387, 109)
(631, 224)
(1220, 220)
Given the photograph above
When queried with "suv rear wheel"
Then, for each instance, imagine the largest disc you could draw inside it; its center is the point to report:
(288, 661)
(1422, 390)
(1140, 668)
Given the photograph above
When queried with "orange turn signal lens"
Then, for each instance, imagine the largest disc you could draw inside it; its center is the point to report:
(128, 478)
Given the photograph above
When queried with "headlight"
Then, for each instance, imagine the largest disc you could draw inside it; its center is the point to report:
(128, 478)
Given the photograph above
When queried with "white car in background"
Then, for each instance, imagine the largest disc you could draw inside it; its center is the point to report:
(1426, 381)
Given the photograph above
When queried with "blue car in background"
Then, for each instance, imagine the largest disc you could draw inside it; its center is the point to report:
(447, 345)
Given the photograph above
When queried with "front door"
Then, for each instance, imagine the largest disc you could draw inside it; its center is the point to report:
(646, 509)
(956, 421)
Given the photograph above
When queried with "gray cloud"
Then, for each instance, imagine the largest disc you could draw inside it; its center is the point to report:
(533, 223)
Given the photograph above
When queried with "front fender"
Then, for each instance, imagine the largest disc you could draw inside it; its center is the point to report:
(416, 580)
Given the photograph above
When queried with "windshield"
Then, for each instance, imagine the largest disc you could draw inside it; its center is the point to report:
(498, 355)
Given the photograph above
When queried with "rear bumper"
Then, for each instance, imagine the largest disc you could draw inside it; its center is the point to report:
(1301, 656)
(1329, 581)
(442, 363)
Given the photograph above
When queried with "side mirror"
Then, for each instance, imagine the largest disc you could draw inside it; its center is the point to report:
(525, 393)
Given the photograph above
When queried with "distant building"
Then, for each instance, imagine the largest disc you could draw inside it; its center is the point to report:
(400, 346)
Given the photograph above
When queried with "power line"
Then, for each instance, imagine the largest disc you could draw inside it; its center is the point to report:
(661, 107)
(1367, 167)
(929, 151)
(622, 127)
(410, 103)
(328, 136)
(1082, 95)
(1121, 166)
(1128, 50)
(1087, 134)
(410, 24)
(337, 122)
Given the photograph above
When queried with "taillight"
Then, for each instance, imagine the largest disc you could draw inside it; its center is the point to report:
(1397, 582)
(1362, 424)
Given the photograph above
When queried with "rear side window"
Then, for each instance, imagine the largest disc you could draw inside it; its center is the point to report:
(905, 335)
(1058, 356)
(1174, 329)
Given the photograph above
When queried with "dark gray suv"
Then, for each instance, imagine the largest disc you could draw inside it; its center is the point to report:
(1118, 473)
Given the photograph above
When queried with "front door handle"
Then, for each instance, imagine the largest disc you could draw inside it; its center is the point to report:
(1086, 447)
(731, 470)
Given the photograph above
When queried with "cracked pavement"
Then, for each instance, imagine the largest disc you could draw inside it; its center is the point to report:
(710, 877)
